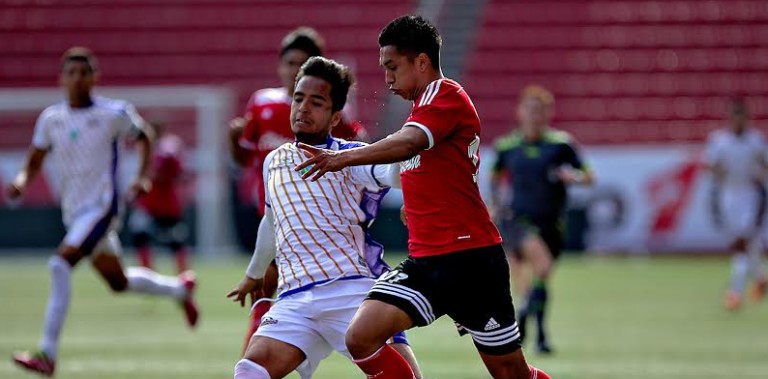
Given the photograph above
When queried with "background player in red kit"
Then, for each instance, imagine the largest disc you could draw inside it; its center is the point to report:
(456, 264)
(159, 212)
(266, 125)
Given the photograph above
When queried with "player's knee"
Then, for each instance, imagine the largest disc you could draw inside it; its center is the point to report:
(247, 369)
(360, 343)
(117, 285)
(70, 254)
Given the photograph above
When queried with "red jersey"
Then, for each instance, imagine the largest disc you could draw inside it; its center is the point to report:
(164, 200)
(268, 126)
(442, 200)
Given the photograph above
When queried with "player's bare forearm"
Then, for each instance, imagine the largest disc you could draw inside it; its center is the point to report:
(398, 147)
(32, 166)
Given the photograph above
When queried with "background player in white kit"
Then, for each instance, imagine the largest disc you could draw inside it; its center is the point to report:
(736, 156)
(317, 233)
(84, 134)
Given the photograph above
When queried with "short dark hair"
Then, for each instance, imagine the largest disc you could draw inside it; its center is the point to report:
(412, 35)
(80, 54)
(305, 39)
(337, 74)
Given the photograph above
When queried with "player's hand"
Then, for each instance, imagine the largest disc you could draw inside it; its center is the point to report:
(402, 216)
(320, 162)
(237, 124)
(141, 186)
(14, 191)
(247, 286)
(569, 175)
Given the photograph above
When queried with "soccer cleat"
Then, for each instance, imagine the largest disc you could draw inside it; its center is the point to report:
(758, 291)
(37, 362)
(732, 301)
(188, 304)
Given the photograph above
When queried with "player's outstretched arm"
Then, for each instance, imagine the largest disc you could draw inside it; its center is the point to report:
(400, 146)
(32, 165)
(142, 184)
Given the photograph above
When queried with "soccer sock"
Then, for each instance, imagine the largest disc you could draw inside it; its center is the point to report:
(756, 264)
(58, 304)
(256, 315)
(385, 363)
(145, 256)
(144, 280)
(537, 301)
(246, 369)
(538, 374)
(181, 259)
(739, 271)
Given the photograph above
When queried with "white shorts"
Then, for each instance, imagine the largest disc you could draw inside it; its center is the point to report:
(316, 320)
(740, 210)
(94, 231)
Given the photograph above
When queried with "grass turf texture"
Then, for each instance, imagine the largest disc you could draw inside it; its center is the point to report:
(611, 319)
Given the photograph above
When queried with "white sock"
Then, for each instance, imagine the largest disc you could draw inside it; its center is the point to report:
(756, 265)
(739, 271)
(144, 280)
(58, 304)
(246, 369)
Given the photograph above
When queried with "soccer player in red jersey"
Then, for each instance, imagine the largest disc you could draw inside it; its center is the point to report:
(158, 213)
(266, 126)
(456, 264)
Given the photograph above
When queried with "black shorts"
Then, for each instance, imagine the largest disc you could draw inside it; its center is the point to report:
(470, 286)
(519, 226)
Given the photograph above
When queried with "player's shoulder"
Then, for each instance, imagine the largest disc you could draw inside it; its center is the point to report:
(718, 135)
(53, 110)
(442, 92)
(110, 104)
(287, 147)
(557, 137)
(508, 141)
(342, 144)
(268, 96)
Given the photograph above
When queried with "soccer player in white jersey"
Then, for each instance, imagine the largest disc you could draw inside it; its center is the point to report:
(84, 134)
(736, 156)
(316, 232)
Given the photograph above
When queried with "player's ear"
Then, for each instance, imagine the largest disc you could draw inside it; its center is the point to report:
(422, 62)
(335, 118)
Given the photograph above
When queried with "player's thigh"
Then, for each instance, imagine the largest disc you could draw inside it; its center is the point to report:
(106, 260)
(85, 233)
(289, 321)
(409, 289)
(481, 304)
(740, 212)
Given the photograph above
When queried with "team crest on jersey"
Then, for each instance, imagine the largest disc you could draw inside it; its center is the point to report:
(410, 164)
(74, 134)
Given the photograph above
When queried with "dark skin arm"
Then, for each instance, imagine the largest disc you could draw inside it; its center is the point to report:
(400, 146)
(239, 154)
(32, 166)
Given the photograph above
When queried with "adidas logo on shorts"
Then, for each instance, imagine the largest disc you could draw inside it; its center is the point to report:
(491, 325)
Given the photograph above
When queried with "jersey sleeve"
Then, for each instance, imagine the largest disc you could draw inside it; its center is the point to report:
(572, 157)
(436, 112)
(373, 177)
(41, 138)
(265, 177)
(250, 138)
(130, 123)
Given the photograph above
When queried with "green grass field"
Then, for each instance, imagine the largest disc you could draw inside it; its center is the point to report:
(611, 319)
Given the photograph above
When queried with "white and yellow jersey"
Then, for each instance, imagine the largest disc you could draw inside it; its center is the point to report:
(85, 146)
(320, 227)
